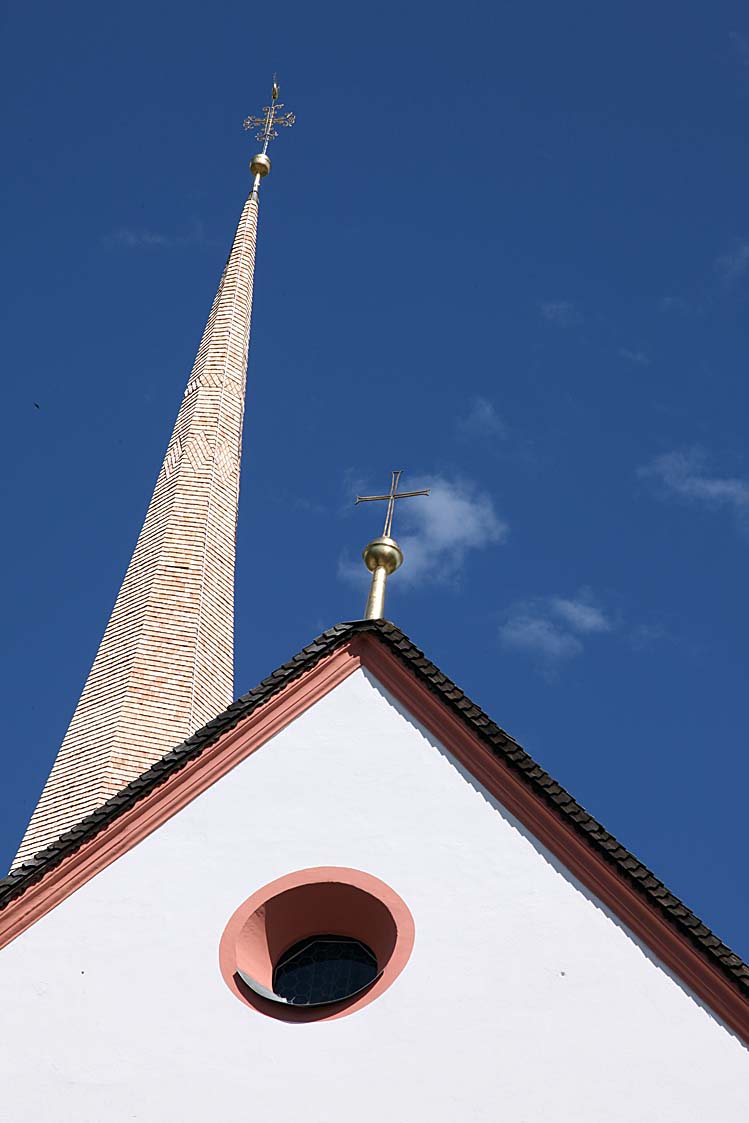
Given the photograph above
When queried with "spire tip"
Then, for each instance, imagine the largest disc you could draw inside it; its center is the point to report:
(267, 131)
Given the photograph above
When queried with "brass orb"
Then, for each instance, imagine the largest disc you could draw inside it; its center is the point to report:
(260, 164)
(383, 552)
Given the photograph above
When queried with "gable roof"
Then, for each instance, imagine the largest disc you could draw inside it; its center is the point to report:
(549, 802)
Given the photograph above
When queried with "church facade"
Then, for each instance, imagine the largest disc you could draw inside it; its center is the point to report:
(350, 895)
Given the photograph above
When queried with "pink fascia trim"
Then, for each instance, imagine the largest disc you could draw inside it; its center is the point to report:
(345, 901)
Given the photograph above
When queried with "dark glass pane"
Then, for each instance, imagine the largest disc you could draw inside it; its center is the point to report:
(324, 969)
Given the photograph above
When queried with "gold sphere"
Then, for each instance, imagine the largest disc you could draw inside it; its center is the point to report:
(383, 552)
(260, 164)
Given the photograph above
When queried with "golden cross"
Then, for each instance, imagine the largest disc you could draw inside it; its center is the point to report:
(391, 497)
(266, 125)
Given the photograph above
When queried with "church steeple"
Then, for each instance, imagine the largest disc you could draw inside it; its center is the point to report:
(165, 665)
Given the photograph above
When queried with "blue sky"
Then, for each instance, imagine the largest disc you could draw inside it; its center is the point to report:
(505, 248)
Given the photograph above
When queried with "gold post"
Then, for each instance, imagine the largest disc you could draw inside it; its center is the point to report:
(375, 608)
(383, 555)
(260, 164)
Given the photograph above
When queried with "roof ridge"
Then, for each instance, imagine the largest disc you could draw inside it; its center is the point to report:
(492, 735)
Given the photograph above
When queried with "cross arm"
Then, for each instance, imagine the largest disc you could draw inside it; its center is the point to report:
(398, 495)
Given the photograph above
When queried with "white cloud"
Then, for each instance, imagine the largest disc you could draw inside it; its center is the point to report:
(639, 358)
(740, 46)
(581, 615)
(563, 313)
(733, 265)
(437, 532)
(137, 239)
(481, 420)
(674, 304)
(523, 631)
(441, 530)
(645, 635)
(683, 474)
(551, 627)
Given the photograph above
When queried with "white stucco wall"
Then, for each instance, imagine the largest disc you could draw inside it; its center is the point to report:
(523, 1000)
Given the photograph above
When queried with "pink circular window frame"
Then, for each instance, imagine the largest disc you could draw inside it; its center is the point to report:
(306, 903)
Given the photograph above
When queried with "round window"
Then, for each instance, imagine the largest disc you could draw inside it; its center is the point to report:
(324, 969)
(316, 944)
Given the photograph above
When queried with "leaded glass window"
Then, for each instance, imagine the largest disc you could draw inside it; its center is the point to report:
(324, 969)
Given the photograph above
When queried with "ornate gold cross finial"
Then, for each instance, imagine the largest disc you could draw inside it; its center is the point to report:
(266, 125)
(383, 555)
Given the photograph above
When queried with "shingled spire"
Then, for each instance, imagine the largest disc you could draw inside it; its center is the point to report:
(165, 664)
